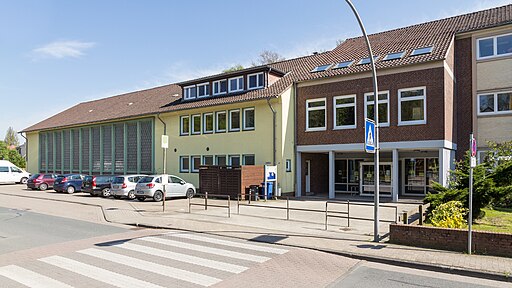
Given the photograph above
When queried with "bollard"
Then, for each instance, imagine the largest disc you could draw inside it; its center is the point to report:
(405, 218)
(326, 214)
(206, 201)
(420, 209)
(229, 206)
(238, 204)
(250, 196)
(189, 204)
(348, 213)
(287, 208)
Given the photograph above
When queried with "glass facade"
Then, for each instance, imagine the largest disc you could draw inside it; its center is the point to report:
(419, 175)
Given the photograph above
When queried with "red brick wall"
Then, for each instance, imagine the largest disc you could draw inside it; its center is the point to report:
(463, 94)
(488, 243)
(252, 175)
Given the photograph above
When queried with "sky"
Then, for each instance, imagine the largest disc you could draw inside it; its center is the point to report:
(55, 54)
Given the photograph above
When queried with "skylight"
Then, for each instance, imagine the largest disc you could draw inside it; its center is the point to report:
(367, 60)
(344, 64)
(393, 56)
(421, 51)
(321, 68)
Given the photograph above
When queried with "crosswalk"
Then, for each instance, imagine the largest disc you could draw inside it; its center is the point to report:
(177, 259)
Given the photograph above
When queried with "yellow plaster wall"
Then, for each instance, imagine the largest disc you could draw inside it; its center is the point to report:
(494, 128)
(33, 152)
(494, 74)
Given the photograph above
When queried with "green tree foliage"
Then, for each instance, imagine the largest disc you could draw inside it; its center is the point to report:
(449, 215)
(233, 68)
(11, 155)
(11, 138)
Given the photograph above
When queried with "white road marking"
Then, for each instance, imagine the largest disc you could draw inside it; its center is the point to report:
(216, 251)
(96, 273)
(184, 258)
(227, 243)
(30, 278)
(175, 273)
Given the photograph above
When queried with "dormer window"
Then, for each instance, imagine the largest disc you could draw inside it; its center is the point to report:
(203, 90)
(236, 84)
(255, 81)
(190, 92)
(220, 87)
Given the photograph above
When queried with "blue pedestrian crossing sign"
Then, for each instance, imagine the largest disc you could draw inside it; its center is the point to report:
(369, 136)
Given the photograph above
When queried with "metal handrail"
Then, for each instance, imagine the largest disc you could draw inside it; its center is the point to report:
(205, 204)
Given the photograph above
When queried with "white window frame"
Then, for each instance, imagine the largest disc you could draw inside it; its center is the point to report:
(219, 156)
(400, 100)
(192, 124)
(182, 170)
(205, 156)
(186, 92)
(495, 112)
(367, 102)
(204, 123)
(248, 155)
(201, 86)
(344, 106)
(231, 129)
(194, 169)
(314, 109)
(258, 85)
(181, 125)
(494, 48)
(230, 158)
(238, 84)
(219, 82)
(245, 128)
(217, 130)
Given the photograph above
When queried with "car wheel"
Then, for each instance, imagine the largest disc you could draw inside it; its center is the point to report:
(70, 189)
(141, 199)
(190, 193)
(131, 195)
(23, 180)
(43, 187)
(158, 196)
(105, 192)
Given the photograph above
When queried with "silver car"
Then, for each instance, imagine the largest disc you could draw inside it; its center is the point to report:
(124, 186)
(152, 187)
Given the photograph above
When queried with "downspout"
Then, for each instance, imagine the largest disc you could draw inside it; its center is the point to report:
(165, 133)
(273, 130)
(26, 148)
(295, 135)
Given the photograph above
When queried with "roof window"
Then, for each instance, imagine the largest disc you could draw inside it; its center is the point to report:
(321, 68)
(393, 56)
(344, 64)
(367, 60)
(421, 51)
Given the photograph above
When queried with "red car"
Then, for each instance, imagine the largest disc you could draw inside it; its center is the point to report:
(41, 181)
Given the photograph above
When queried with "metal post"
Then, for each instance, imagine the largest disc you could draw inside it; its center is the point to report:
(287, 208)
(238, 204)
(420, 209)
(348, 213)
(189, 204)
(376, 237)
(229, 206)
(405, 218)
(205, 200)
(396, 214)
(326, 203)
(250, 195)
(470, 220)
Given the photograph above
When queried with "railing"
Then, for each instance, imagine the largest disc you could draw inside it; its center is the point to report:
(206, 205)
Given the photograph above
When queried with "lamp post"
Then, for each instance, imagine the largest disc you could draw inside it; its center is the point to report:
(376, 237)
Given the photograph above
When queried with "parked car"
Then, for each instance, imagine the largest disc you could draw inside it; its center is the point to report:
(41, 181)
(97, 185)
(10, 173)
(124, 186)
(69, 183)
(152, 187)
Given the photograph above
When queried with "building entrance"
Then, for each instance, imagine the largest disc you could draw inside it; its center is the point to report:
(367, 183)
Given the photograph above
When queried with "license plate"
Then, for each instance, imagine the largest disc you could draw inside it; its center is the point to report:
(140, 192)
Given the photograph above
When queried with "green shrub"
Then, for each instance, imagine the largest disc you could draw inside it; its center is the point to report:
(451, 214)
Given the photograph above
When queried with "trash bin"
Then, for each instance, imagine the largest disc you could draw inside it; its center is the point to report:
(255, 190)
(270, 189)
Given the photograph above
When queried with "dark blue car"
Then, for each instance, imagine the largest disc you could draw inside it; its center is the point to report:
(69, 183)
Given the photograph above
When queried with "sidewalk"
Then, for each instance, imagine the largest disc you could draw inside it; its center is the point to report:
(259, 224)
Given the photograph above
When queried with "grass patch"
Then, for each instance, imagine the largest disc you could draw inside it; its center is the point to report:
(495, 220)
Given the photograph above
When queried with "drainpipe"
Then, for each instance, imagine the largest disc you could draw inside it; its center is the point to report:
(273, 130)
(295, 137)
(165, 133)
(26, 148)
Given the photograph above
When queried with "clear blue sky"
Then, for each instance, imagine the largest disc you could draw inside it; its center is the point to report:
(55, 54)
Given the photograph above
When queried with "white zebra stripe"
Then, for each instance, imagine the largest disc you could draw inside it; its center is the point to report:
(30, 278)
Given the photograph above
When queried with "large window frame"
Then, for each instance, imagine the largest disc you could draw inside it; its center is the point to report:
(260, 81)
(231, 112)
(190, 92)
(182, 126)
(217, 87)
(310, 109)
(494, 39)
(239, 84)
(225, 160)
(233, 156)
(205, 123)
(381, 102)
(343, 106)
(193, 159)
(203, 90)
(409, 99)
(217, 120)
(495, 99)
(193, 124)
(244, 119)
(183, 160)
(245, 158)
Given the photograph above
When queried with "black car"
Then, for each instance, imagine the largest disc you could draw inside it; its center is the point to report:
(97, 185)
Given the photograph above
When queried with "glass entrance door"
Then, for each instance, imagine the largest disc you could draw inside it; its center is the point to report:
(367, 179)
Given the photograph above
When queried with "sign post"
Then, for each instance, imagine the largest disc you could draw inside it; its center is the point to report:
(270, 177)
(472, 144)
(165, 145)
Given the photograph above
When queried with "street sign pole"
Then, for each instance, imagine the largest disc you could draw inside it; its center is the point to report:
(472, 164)
(376, 237)
(165, 145)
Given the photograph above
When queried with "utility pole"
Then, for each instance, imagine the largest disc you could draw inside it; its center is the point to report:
(472, 164)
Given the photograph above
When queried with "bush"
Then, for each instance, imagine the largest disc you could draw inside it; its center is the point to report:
(451, 214)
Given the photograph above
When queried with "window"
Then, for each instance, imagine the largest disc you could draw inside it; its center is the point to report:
(494, 46)
(495, 103)
(321, 68)
(369, 112)
(234, 160)
(315, 115)
(248, 160)
(220, 119)
(234, 120)
(412, 107)
(393, 56)
(421, 51)
(255, 81)
(196, 124)
(419, 175)
(288, 165)
(208, 123)
(248, 119)
(236, 84)
(203, 90)
(196, 162)
(345, 112)
(4, 169)
(343, 64)
(220, 160)
(184, 125)
(367, 60)
(220, 87)
(208, 160)
(184, 164)
(190, 92)
(174, 179)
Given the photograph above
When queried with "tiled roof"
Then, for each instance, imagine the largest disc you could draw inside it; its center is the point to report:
(438, 34)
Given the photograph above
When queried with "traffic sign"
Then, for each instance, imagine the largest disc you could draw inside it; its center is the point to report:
(473, 146)
(369, 136)
(165, 141)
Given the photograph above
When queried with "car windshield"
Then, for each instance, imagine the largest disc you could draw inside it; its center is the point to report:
(34, 176)
(146, 179)
(118, 180)
(60, 176)
(103, 179)
(88, 178)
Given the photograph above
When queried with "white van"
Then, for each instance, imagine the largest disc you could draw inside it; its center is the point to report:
(9, 173)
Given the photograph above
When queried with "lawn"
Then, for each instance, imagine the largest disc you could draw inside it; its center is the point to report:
(495, 220)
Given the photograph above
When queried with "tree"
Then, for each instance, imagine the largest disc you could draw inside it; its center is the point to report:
(11, 138)
(11, 155)
(268, 57)
(233, 68)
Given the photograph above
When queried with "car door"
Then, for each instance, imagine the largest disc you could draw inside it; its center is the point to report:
(14, 174)
(177, 186)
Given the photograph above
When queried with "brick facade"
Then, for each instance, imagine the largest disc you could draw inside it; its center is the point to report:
(319, 172)
(464, 91)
